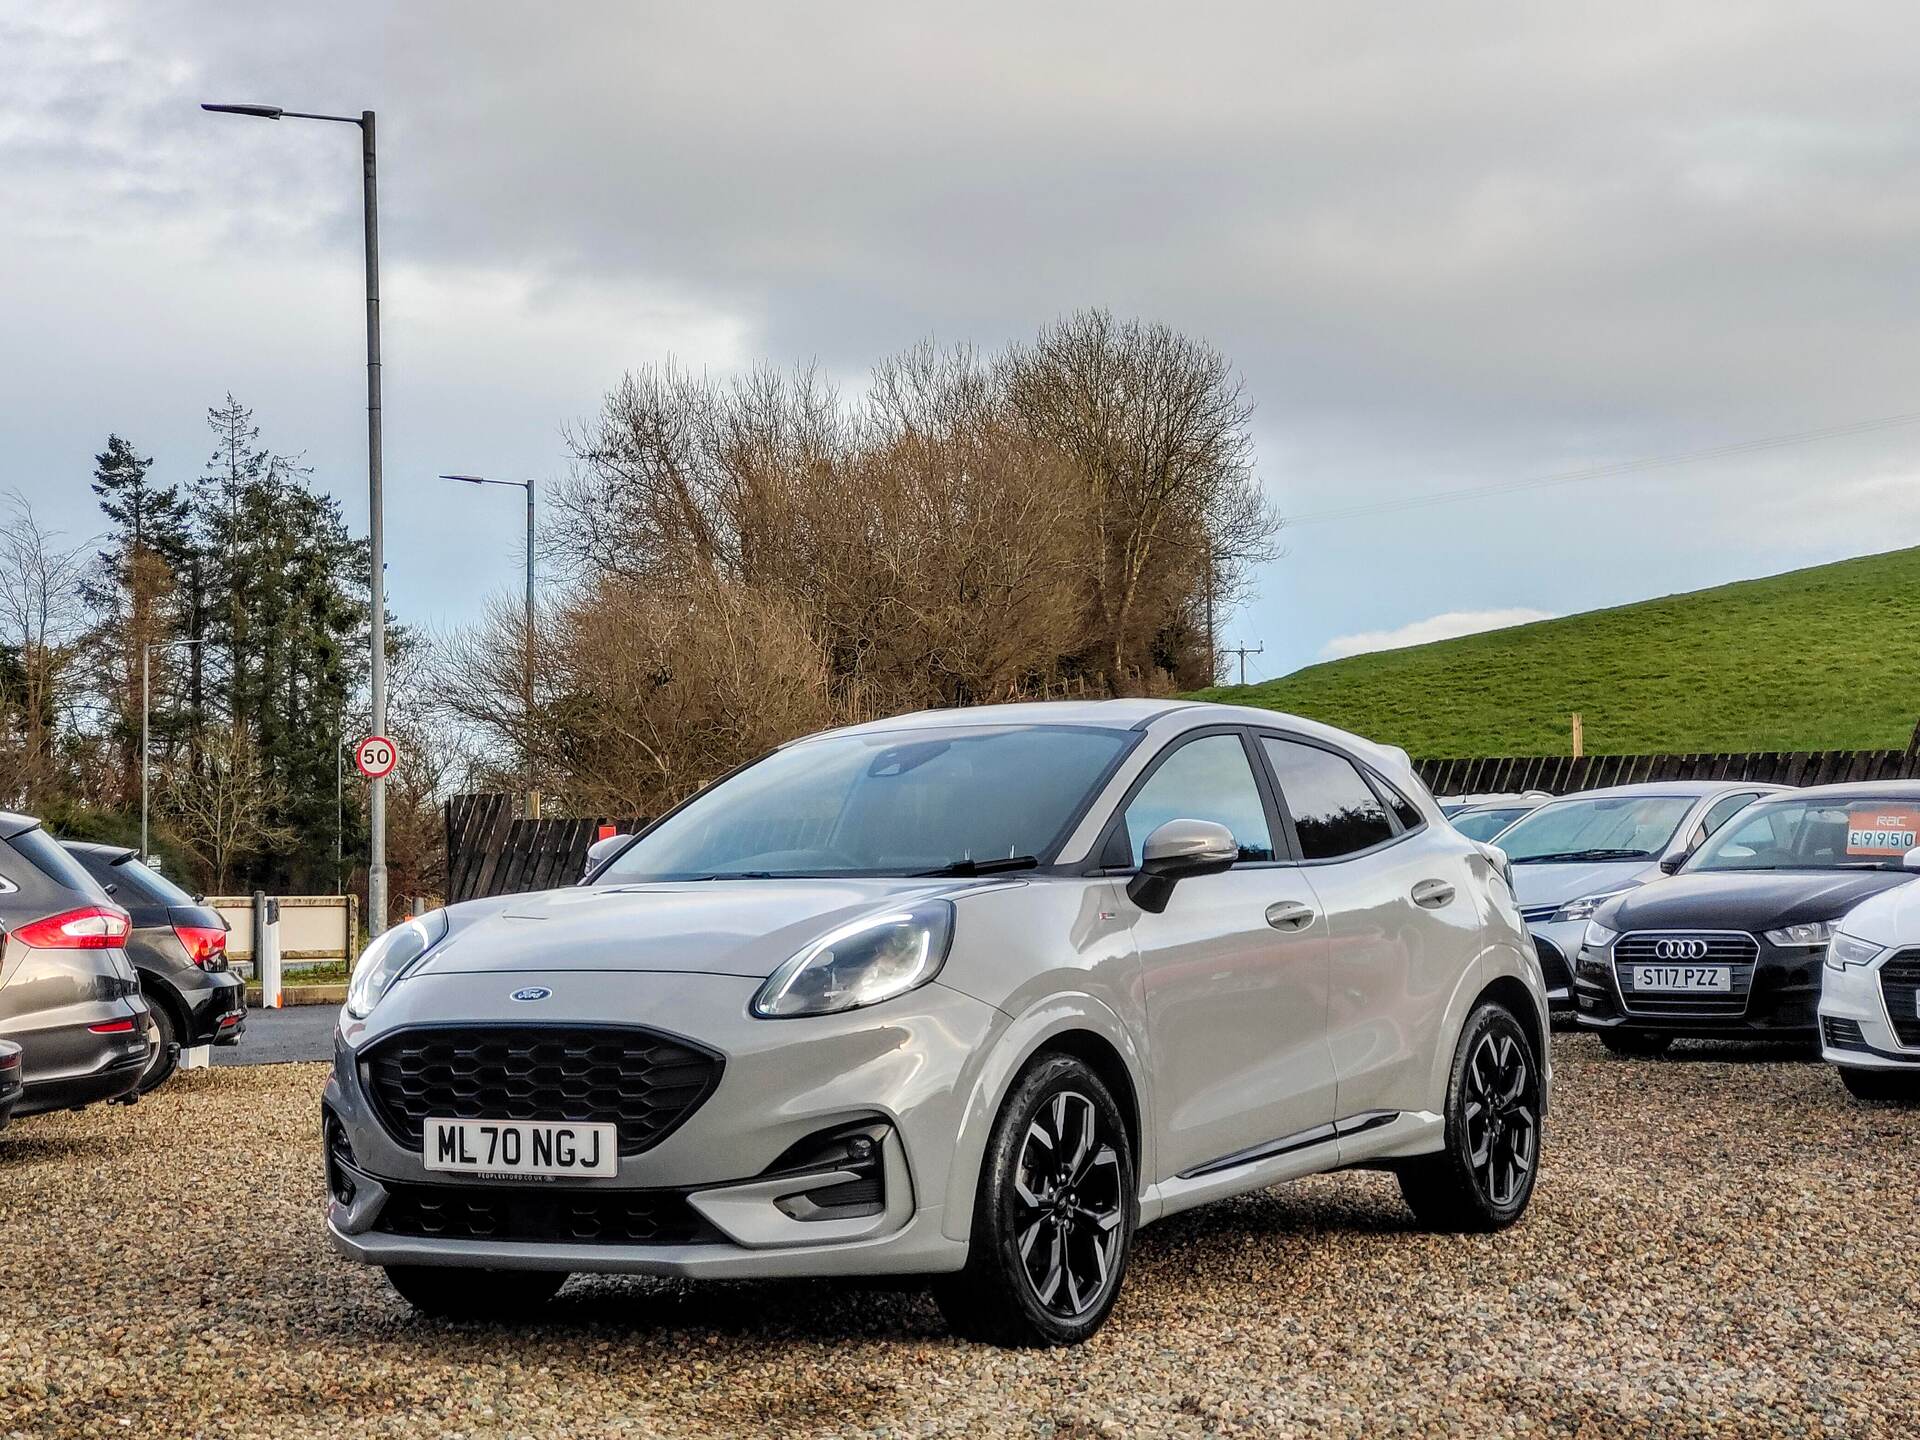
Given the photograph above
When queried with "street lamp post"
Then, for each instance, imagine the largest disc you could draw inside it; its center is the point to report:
(377, 795)
(526, 697)
(146, 725)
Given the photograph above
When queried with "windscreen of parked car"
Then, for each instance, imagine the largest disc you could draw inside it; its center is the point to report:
(1485, 824)
(1864, 833)
(1611, 827)
(895, 803)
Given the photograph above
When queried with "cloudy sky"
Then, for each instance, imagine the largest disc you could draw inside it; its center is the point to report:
(1449, 246)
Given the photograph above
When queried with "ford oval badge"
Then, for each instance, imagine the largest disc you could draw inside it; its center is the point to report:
(532, 992)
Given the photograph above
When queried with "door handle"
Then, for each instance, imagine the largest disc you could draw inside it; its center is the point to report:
(1289, 915)
(1432, 894)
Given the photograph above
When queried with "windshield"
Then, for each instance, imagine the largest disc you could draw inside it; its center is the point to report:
(1864, 833)
(1485, 824)
(904, 802)
(1613, 827)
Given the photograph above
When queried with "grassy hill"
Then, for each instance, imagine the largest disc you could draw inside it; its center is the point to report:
(1825, 658)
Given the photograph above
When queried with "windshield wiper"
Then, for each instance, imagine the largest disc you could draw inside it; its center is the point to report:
(982, 867)
(1564, 857)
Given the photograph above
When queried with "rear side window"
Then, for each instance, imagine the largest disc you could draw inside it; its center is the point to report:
(45, 854)
(1723, 810)
(1205, 779)
(1334, 810)
(1402, 807)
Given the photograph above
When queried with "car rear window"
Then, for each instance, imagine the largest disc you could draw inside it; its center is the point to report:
(46, 855)
(137, 881)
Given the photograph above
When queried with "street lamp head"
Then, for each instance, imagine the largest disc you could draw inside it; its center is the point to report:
(264, 112)
(469, 479)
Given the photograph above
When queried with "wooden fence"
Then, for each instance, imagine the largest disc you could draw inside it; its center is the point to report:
(493, 850)
(1564, 774)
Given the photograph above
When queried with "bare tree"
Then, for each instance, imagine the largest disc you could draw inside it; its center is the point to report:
(223, 811)
(42, 617)
(1156, 425)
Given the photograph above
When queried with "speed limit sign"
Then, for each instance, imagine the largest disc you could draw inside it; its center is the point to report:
(375, 757)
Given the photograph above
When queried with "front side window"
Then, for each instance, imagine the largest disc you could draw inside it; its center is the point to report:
(1870, 833)
(1205, 779)
(1611, 827)
(894, 803)
(1723, 810)
(1335, 812)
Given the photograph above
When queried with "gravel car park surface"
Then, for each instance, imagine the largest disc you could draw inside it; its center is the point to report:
(1722, 1243)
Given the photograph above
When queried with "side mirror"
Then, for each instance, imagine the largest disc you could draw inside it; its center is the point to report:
(1911, 860)
(1669, 864)
(601, 851)
(1180, 850)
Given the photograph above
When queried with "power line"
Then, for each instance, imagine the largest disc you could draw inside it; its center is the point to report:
(1601, 472)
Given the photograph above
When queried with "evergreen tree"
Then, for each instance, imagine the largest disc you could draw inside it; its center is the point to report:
(134, 596)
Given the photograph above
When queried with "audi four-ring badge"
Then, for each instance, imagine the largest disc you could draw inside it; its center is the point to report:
(1735, 942)
(969, 995)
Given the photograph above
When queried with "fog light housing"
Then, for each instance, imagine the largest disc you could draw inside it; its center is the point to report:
(339, 1159)
(852, 1152)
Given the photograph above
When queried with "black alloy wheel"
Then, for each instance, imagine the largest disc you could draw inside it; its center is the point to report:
(1055, 1216)
(1484, 1177)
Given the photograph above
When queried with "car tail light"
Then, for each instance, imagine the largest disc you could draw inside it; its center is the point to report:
(94, 927)
(9, 1060)
(112, 1027)
(203, 942)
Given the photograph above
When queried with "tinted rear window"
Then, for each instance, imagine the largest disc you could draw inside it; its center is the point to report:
(139, 883)
(46, 855)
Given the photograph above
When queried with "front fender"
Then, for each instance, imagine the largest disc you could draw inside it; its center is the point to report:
(1017, 1044)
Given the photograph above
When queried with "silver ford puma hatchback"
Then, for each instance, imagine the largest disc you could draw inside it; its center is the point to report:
(967, 994)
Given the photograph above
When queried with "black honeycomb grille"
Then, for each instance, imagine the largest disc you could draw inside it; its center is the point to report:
(1900, 987)
(641, 1081)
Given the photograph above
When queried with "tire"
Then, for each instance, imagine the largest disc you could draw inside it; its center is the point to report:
(161, 1069)
(1077, 1228)
(1484, 1177)
(1886, 1085)
(1642, 1044)
(454, 1293)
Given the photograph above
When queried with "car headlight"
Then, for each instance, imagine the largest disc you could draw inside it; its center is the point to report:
(860, 964)
(1597, 936)
(1844, 950)
(1808, 935)
(389, 957)
(1583, 908)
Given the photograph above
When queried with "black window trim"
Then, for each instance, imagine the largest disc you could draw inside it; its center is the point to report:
(1286, 853)
(1368, 777)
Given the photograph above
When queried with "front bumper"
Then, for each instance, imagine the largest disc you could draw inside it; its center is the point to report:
(1781, 1003)
(1556, 945)
(733, 1174)
(1857, 1026)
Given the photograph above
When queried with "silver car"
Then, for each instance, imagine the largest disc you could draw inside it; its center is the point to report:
(1573, 855)
(967, 994)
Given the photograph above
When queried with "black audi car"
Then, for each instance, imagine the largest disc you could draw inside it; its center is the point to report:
(1732, 944)
(179, 948)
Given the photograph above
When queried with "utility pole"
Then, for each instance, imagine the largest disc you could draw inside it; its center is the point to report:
(1243, 651)
(146, 725)
(1213, 658)
(377, 793)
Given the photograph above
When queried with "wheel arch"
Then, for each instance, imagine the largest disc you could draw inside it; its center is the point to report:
(1511, 992)
(1077, 1025)
(158, 992)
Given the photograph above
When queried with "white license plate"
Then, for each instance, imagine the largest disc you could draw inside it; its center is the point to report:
(522, 1147)
(1715, 979)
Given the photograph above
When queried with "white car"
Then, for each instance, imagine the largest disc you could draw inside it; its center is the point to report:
(969, 994)
(1870, 995)
(1574, 854)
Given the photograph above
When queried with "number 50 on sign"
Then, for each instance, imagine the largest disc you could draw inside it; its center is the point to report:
(375, 757)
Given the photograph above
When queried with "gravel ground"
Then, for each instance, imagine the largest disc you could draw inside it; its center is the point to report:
(1722, 1244)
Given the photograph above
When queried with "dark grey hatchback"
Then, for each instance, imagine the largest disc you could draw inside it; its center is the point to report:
(179, 948)
(69, 997)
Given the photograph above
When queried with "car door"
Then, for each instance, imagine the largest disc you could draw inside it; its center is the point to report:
(1234, 970)
(1402, 923)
